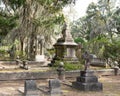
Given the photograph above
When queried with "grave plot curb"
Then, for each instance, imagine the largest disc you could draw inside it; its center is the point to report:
(46, 75)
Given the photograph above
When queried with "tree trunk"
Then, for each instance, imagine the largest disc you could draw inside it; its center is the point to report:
(22, 45)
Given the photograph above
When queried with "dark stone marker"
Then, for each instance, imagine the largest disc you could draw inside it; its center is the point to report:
(30, 88)
(54, 87)
(87, 82)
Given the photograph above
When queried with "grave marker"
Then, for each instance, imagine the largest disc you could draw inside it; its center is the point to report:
(30, 88)
(54, 87)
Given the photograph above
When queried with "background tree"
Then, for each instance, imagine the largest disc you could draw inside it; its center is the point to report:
(99, 28)
(36, 17)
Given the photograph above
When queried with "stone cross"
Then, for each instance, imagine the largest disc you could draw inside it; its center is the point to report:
(86, 57)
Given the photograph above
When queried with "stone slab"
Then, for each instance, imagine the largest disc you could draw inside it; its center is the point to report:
(88, 86)
(87, 73)
(90, 79)
(54, 86)
(30, 88)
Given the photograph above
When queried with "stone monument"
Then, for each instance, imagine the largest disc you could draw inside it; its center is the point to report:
(87, 81)
(65, 47)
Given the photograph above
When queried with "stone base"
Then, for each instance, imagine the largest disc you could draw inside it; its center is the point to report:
(88, 86)
(87, 82)
(74, 59)
(32, 93)
(87, 79)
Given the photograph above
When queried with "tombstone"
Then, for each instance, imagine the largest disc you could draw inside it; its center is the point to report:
(54, 87)
(30, 88)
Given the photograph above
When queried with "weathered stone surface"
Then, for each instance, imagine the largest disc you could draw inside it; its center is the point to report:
(88, 86)
(54, 86)
(66, 47)
(30, 88)
(87, 73)
(51, 74)
(87, 79)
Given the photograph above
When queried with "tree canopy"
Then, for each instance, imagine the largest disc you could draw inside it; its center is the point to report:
(99, 30)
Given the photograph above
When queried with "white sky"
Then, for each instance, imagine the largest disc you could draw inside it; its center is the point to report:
(81, 6)
(79, 9)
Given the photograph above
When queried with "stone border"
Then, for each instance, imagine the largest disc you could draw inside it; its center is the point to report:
(46, 75)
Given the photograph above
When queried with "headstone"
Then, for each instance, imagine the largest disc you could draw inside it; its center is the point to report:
(87, 82)
(30, 88)
(54, 87)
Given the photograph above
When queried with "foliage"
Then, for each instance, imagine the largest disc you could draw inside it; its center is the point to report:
(69, 65)
(7, 23)
(35, 17)
(99, 27)
(112, 50)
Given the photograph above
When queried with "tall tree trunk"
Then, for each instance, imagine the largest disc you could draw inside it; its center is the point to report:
(32, 47)
(22, 45)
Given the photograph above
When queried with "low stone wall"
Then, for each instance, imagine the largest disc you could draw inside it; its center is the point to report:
(47, 75)
(13, 62)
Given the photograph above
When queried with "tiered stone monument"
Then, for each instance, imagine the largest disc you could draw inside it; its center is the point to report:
(87, 81)
(66, 47)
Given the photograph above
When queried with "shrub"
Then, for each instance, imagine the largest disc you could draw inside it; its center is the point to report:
(69, 66)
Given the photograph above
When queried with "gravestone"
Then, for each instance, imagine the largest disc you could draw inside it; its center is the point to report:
(54, 87)
(87, 81)
(30, 88)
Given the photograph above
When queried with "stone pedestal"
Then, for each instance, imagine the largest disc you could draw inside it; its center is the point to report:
(65, 47)
(87, 82)
(40, 58)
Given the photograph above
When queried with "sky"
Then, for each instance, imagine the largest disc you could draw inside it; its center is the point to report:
(78, 10)
(81, 6)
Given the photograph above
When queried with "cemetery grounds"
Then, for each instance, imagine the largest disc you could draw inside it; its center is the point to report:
(111, 87)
